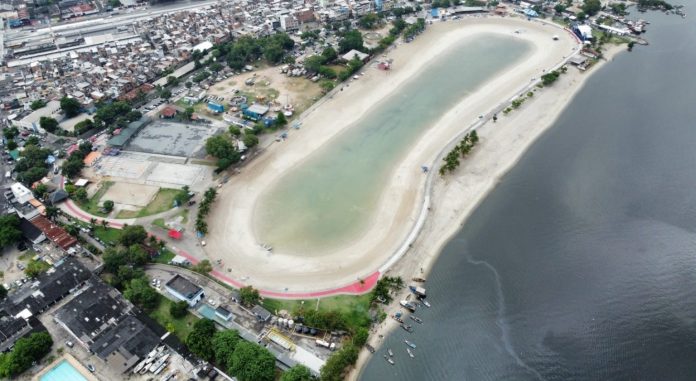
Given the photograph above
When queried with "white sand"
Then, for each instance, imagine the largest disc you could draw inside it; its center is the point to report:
(502, 145)
(231, 237)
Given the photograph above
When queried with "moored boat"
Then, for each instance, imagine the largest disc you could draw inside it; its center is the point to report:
(410, 344)
(419, 291)
(416, 319)
(406, 304)
(410, 353)
(407, 327)
(418, 279)
(427, 304)
(391, 354)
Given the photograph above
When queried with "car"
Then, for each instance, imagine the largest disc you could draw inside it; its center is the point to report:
(21, 266)
(91, 368)
(69, 344)
(56, 170)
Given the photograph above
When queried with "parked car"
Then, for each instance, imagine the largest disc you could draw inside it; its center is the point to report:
(91, 368)
(69, 344)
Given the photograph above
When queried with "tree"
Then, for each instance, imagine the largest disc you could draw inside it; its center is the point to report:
(108, 206)
(234, 130)
(132, 234)
(26, 351)
(11, 145)
(48, 124)
(72, 168)
(188, 113)
(9, 230)
(37, 104)
(51, 211)
(133, 115)
(335, 366)
(203, 267)
(280, 119)
(351, 40)
(172, 81)
(224, 343)
(591, 7)
(188, 84)
(35, 268)
(369, 21)
(249, 296)
(250, 140)
(198, 341)
(178, 309)
(250, 362)
(70, 106)
(297, 373)
(165, 94)
(329, 54)
(81, 194)
(313, 63)
(141, 294)
(32, 175)
(360, 337)
(3, 292)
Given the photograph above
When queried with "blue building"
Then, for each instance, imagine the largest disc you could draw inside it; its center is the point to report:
(255, 111)
(435, 13)
(378, 5)
(216, 107)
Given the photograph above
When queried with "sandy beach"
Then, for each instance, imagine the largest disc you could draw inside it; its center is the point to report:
(502, 144)
(233, 241)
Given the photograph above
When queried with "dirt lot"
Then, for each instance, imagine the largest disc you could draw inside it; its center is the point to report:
(274, 85)
(130, 194)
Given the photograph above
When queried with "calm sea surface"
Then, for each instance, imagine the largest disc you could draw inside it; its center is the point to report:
(327, 201)
(581, 265)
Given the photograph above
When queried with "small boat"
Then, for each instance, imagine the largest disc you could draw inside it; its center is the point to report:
(419, 280)
(391, 354)
(370, 348)
(410, 353)
(400, 320)
(410, 344)
(416, 319)
(406, 304)
(407, 327)
(389, 360)
(419, 291)
(426, 303)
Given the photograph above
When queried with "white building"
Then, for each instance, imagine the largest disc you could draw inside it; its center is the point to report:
(21, 193)
(183, 289)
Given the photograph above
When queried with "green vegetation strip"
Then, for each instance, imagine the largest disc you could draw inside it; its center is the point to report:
(91, 206)
(181, 327)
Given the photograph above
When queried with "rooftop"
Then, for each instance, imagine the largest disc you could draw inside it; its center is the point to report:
(183, 286)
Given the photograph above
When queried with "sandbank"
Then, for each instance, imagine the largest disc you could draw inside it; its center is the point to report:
(231, 238)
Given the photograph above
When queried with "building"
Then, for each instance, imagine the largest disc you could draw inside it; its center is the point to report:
(255, 111)
(50, 287)
(92, 312)
(30, 232)
(168, 112)
(21, 193)
(54, 232)
(353, 53)
(216, 107)
(261, 313)
(125, 344)
(125, 135)
(223, 313)
(12, 328)
(31, 121)
(289, 23)
(183, 289)
(584, 32)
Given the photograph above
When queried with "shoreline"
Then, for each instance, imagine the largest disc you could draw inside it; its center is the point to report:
(405, 188)
(554, 100)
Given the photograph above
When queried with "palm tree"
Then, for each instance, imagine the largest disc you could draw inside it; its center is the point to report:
(105, 223)
(92, 222)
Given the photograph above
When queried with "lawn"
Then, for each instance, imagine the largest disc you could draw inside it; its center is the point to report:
(107, 235)
(165, 257)
(181, 327)
(354, 308)
(163, 201)
(92, 205)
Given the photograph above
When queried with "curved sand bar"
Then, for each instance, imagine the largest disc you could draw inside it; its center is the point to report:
(231, 236)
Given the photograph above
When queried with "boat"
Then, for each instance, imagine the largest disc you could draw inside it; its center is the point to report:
(410, 344)
(391, 354)
(416, 319)
(419, 280)
(426, 303)
(400, 320)
(407, 327)
(410, 353)
(389, 360)
(370, 348)
(406, 304)
(419, 291)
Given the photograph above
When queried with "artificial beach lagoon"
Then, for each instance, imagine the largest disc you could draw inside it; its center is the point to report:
(328, 199)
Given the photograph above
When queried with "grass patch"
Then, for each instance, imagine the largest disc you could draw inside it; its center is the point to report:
(355, 309)
(180, 327)
(159, 222)
(91, 206)
(165, 257)
(29, 254)
(107, 235)
(163, 201)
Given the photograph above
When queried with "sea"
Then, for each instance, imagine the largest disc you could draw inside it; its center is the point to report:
(581, 264)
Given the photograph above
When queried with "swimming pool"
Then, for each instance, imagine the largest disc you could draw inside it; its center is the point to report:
(64, 371)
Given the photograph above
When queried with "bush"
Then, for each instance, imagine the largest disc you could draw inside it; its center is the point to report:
(178, 309)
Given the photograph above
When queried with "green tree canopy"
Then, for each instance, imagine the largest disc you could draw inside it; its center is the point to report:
(198, 341)
(224, 343)
(37, 104)
(26, 351)
(70, 106)
(250, 362)
(132, 234)
(351, 40)
(139, 292)
(297, 373)
(249, 296)
(108, 206)
(49, 124)
(9, 230)
(178, 309)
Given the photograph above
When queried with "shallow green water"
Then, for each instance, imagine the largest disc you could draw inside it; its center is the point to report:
(327, 200)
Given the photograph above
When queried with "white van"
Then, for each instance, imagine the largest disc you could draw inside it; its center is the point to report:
(8, 174)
